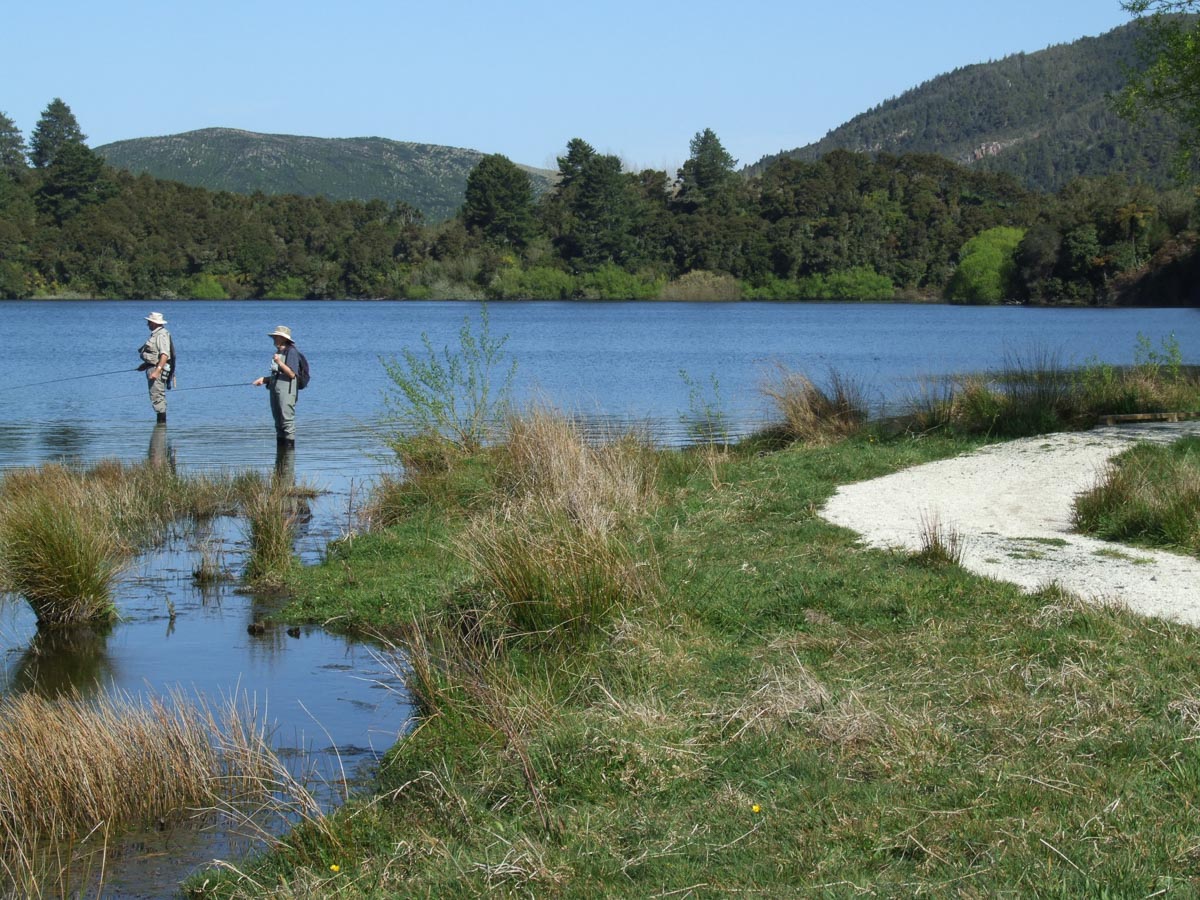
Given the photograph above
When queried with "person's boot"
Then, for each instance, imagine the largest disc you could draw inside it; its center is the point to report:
(162, 418)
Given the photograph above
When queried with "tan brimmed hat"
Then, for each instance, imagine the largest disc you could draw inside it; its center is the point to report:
(156, 318)
(282, 331)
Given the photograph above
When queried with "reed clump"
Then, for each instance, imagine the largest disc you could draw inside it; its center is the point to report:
(72, 767)
(813, 414)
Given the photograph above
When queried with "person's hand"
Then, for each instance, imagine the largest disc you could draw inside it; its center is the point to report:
(278, 359)
(258, 382)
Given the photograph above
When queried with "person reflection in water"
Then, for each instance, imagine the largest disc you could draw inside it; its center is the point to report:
(285, 465)
(160, 453)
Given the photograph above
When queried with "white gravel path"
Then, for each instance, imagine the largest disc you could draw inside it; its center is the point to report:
(1011, 504)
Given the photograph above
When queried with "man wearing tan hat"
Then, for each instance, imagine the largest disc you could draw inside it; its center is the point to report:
(157, 362)
(283, 386)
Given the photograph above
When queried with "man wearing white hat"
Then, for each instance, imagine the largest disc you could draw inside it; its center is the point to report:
(283, 385)
(157, 362)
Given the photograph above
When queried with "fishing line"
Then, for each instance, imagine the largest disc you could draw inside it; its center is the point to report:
(172, 391)
(211, 387)
(17, 387)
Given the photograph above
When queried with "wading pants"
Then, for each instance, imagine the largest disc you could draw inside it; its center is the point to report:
(283, 408)
(158, 394)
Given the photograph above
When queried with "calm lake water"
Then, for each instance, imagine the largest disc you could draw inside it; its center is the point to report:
(615, 363)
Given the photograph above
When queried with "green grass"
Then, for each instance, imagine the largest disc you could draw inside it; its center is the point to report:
(783, 713)
(1149, 496)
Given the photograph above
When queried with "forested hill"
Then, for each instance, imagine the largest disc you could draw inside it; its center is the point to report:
(430, 177)
(1042, 117)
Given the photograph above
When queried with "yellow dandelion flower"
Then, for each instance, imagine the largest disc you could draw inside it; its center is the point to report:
(335, 868)
(756, 808)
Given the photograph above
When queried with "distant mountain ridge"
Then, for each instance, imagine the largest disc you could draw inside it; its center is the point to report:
(1044, 117)
(430, 177)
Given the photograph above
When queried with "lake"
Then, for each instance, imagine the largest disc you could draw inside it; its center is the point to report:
(67, 390)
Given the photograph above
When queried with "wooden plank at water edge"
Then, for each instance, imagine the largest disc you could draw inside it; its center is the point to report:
(1126, 418)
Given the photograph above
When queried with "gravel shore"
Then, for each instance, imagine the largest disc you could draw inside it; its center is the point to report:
(1011, 506)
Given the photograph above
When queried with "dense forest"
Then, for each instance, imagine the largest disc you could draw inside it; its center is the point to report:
(846, 225)
(1045, 118)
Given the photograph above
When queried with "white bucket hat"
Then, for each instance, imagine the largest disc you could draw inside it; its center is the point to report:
(282, 331)
(156, 318)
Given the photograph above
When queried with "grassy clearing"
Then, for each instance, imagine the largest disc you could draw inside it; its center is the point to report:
(1149, 495)
(778, 712)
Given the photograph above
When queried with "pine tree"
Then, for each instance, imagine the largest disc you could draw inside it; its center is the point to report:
(12, 147)
(54, 129)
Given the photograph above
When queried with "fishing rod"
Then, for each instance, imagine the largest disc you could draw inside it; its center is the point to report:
(17, 387)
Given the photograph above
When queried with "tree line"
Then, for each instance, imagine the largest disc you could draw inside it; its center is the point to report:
(845, 226)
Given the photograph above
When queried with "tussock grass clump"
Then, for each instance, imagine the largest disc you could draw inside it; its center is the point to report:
(814, 414)
(1037, 393)
(560, 551)
(71, 767)
(1150, 495)
(61, 553)
(66, 532)
(272, 513)
(942, 544)
(546, 460)
(549, 573)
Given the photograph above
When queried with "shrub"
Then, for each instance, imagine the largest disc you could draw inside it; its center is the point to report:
(539, 283)
(702, 285)
(451, 394)
(611, 282)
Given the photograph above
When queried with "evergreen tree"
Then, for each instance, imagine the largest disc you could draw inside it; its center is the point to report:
(56, 128)
(707, 170)
(74, 180)
(12, 147)
(499, 201)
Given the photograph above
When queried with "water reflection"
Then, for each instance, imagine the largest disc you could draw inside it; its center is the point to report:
(160, 453)
(61, 661)
(63, 439)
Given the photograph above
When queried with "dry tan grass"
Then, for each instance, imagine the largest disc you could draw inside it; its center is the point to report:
(560, 549)
(812, 414)
(783, 696)
(70, 768)
(549, 463)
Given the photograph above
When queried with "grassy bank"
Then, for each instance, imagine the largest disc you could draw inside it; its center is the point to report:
(777, 712)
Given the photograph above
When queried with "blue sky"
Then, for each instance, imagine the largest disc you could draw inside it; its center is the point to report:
(637, 78)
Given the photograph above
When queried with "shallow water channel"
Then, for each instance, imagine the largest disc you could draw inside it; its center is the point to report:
(333, 704)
